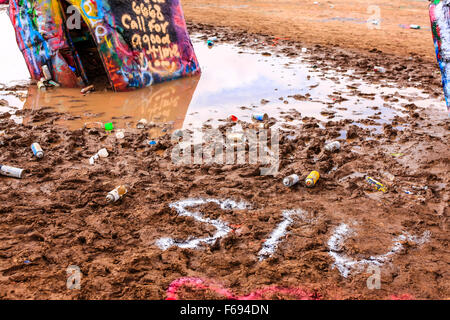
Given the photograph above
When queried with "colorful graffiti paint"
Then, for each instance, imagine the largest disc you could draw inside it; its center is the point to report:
(440, 25)
(140, 42)
(268, 293)
(41, 38)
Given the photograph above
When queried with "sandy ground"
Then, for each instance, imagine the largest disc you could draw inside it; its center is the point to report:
(338, 23)
(57, 216)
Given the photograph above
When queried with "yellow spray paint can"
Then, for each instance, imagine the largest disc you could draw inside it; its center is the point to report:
(312, 179)
(376, 185)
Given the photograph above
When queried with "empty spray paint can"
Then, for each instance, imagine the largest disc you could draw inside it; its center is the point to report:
(291, 180)
(333, 146)
(54, 83)
(260, 117)
(376, 185)
(312, 179)
(46, 72)
(37, 150)
(11, 171)
(88, 89)
(141, 124)
(380, 69)
(259, 126)
(41, 85)
(116, 194)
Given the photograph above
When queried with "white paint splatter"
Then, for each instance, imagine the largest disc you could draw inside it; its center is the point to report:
(345, 264)
(222, 227)
(271, 244)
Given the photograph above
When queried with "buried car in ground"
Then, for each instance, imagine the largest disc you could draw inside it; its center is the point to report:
(127, 44)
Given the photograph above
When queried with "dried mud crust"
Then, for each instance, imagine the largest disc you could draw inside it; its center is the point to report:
(57, 216)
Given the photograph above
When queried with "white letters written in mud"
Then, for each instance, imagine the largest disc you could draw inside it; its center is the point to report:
(343, 263)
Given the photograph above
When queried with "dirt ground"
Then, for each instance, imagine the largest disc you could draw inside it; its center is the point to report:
(337, 23)
(57, 216)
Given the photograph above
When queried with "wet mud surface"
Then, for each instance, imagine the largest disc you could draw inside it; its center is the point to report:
(57, 215)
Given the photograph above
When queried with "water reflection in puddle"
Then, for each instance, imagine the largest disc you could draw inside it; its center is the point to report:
(233, 81)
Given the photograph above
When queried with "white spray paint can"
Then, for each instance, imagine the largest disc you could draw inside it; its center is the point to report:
(291, 180)
(37, 150)
(116, 194)
(141, 124)
(46, 72)
(11, 171)
(333, 146)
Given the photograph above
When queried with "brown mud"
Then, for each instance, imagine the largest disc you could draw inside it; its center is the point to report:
(57, 216)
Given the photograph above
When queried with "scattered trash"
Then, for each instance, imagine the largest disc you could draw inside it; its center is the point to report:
(420, 188)
(109, 126)
(312, 179)
(88, 89)
(27, 262)
(11, 172)
(210, 43)
(37, 150)
(54, 83)
(304, 50)
(260, 117)
(388, 175)
(380, 69)
(333, 146)
(408, 192)
(41, 85)
(120, 134)
(291, 180)
(178, 133)
(152, 142)
(235, 137)
(46, 72)
(102, 153)
(141, 124)
(232, 118)
(414, 26)
(116, 194)
(376, 185)
(259, 126)
(397, 154)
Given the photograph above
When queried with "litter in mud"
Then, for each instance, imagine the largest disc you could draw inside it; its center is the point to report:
(224, 230)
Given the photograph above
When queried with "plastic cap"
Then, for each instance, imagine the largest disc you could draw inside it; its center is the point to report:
(103, 153)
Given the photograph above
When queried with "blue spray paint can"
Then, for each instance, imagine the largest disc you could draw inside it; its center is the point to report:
(260, 117)
(37, 150)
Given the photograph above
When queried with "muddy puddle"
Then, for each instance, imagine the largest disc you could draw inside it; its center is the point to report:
(252, 82)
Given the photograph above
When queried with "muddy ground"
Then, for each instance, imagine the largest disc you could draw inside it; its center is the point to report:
(57, 216)
(335, 23)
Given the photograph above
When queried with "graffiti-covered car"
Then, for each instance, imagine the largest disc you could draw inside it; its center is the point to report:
(440, 25)
(128, 44)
